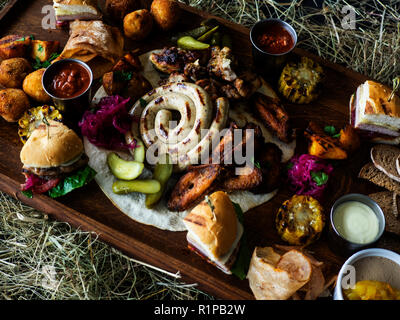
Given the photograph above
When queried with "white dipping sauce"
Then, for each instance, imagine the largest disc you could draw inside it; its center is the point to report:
(356, 222)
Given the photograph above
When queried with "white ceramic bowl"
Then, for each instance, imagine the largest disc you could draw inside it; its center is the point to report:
(373, 252)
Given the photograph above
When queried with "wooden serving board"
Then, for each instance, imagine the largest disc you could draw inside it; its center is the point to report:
(89, 209)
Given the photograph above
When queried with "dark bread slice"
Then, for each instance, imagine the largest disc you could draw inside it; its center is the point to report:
(396, 204)
(384, 158)
(371, 173)
(385, 201)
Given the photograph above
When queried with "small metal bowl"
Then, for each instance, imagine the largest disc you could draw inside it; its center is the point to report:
(268, 64)
(343, 246)
(71, 108)
(344, 271)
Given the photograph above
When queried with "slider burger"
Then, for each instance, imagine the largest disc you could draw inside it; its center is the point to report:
(67, 10)
(53, 153)
(373, 115)
(214, 231)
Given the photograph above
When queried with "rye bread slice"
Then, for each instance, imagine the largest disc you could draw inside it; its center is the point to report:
(371, 173)
(384, 158)
(396, 205)
(385, 200)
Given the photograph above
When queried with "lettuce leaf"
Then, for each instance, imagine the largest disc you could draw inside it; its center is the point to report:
(242, 262)
(72, 182)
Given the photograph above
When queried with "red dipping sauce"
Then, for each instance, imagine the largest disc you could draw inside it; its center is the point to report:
(275, 39)
(68, 80)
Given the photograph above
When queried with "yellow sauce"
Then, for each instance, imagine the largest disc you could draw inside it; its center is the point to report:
(356, 222)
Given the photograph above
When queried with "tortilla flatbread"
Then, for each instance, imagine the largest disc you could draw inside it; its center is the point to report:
(133, 204)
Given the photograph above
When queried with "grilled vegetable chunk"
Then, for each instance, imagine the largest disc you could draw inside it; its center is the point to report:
(42, 50)
(300, 220)
(323, 146)
(14, 46)
(34, 117)
(301, 82)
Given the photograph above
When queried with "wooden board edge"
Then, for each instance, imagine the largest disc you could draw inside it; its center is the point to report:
(7, 8)
(122, 242)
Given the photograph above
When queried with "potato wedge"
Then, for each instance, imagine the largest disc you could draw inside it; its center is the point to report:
(325, 147)
(349, 139)
(42, 50)
(14, 46)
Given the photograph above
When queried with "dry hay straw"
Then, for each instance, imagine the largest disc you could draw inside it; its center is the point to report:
(372, 48)
(45, 259)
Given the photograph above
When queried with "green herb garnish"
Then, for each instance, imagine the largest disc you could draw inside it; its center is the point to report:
(256, 163)
(28, 194)
(320, 177)
(123, 76)
(21, 39)
(40, 48)
(208, 200)
(143, 102)
(39, 65)
(331, 130)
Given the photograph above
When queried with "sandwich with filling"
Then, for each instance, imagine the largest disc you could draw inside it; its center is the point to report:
(68, 10)
(54, 161)
(375, 116)
(214, 231)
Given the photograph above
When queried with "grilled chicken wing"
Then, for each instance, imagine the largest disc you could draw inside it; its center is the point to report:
(274, 115)
(193, 185)
(221, 63)
(173, 59)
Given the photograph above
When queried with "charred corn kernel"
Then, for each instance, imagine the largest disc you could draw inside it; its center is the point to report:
(300, 220)
(300, 82)
(33, 117)
(372, 290)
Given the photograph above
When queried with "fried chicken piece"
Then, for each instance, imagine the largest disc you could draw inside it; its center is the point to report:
(274, 115)
(173, 59)
(269, 160)
(129, 62)
(193, 185)
(173, 78)
(195, 71)
(247, 83)
(221, 63)
(248, 179)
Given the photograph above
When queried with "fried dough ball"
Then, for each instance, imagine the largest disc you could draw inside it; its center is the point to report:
(13, 104)
(33, 87)
(165, 13)
(138, 24)
(13, 71)
(117, 9)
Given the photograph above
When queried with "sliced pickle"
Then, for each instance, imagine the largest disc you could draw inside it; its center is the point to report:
(139, 152)
(144, 186)
(162, 173)
(189, 43)
(122, 169)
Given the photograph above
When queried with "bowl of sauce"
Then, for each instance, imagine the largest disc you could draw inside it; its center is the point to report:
(68, 82)
(356, 222)
(371, 274)
(272, 41)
